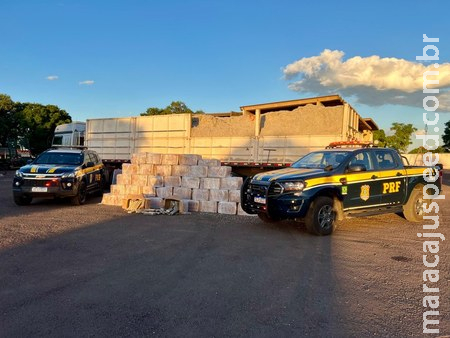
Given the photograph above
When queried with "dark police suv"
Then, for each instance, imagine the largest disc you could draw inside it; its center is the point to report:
(325, 186)
(60, 172)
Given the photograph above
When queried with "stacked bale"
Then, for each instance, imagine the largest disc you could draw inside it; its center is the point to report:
(203, 185)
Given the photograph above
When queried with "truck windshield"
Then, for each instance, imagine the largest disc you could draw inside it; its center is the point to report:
(60, 158)
(321, 159)
(57, 141)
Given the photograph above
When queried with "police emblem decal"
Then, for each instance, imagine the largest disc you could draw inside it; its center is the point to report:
(365, 192)
(344, 190)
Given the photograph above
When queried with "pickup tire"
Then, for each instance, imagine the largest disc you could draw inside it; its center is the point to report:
(267, 219)
(413, 209)
(321, 218)
(80, 198)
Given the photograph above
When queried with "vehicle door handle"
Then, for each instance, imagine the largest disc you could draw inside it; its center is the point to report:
(374, 177)
(399, 174)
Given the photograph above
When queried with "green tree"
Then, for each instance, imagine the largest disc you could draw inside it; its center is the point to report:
(446, 136)
(38, 124)
(28, 124)
(153, 111)
(176, 107)
(402, 136)
(8, 120)
(380, 136)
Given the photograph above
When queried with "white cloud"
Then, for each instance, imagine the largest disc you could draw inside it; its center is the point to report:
(371, 80)
(87, 82)
(52, 77)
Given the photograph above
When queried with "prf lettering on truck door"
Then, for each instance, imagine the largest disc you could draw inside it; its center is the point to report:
(391, 187)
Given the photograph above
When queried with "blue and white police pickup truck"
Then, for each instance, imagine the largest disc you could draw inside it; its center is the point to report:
(59, 173)
(327, 186)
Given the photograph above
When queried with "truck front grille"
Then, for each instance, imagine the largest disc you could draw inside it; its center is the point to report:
(275, 189)
(272, 189)
(258, 189)
(34, 183)
(40, 183)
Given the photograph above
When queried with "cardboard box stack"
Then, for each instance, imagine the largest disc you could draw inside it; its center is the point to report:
(202, 184)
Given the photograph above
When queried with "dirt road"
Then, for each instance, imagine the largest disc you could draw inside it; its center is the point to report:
(95, 270)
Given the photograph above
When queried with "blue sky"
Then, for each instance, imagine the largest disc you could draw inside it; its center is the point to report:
(117, 58)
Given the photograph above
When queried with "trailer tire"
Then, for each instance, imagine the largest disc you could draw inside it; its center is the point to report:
(413, 209)
(321, 218)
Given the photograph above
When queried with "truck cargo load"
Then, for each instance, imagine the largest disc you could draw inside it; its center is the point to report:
(260, 137)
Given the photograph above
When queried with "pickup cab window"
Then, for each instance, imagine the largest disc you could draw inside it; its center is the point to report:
(92, 158)
(362, 158)
(385, 160)
(60, 158)
(321, 159)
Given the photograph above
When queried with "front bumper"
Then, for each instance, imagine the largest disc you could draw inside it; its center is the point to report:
(268, 198)
(44, 187)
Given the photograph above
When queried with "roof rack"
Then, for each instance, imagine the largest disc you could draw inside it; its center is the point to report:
(350, 144)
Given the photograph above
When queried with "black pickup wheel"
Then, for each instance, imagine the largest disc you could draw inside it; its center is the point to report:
(413, 209)
(321, 217)
(80, 198)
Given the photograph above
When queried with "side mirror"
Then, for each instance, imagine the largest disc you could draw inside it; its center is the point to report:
(356, 168)
(29, 161)
(90, 164)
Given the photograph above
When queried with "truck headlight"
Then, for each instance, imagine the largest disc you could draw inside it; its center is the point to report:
(68, 175)
(293, 186)
(19, 173)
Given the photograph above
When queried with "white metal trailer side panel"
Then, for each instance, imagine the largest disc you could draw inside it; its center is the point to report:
(224, 148)
(163, 133)
(112, 138)
(287, 149)
(118, 138)
(277, 149)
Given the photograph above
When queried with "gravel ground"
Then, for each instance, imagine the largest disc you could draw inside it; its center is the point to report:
(94, 270)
